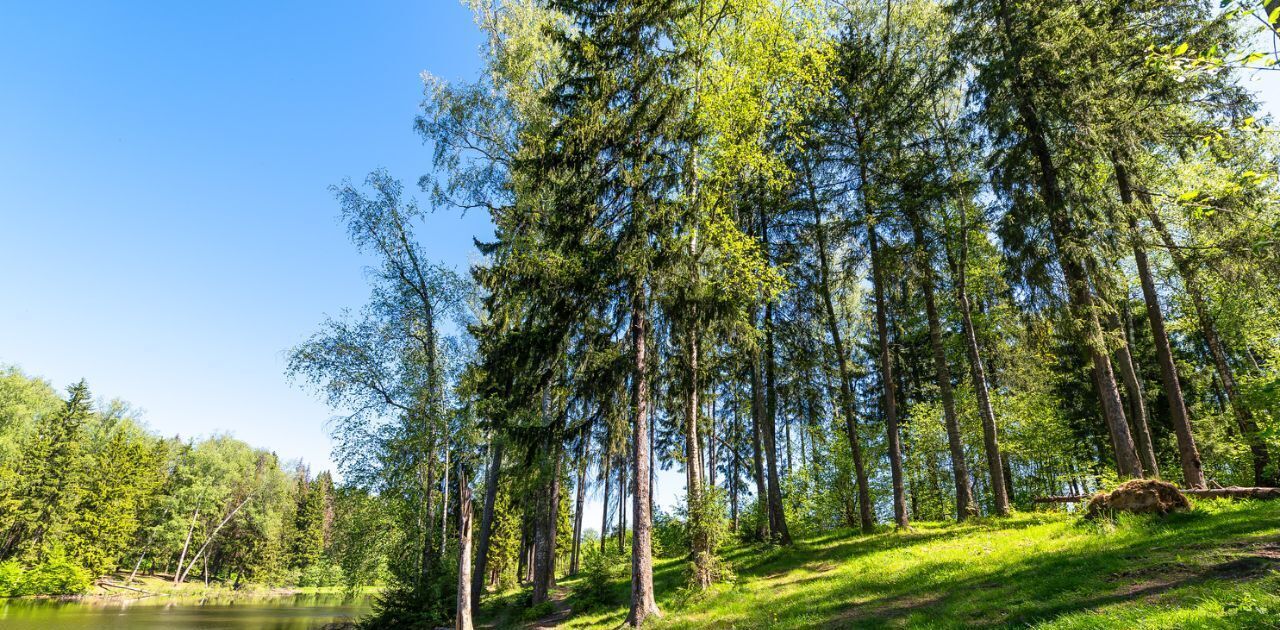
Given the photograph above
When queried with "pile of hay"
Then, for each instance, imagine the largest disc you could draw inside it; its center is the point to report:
(1140, 496)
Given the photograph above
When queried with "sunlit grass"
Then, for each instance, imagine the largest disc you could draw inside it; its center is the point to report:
(1217, 566)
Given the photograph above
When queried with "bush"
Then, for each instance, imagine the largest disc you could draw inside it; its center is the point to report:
(538, 612)
(11, 574)
(55, 576)
(707, 522)
(670, 536)
(602, 572)
(321, 574)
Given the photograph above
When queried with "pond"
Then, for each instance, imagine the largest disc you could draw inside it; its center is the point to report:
(286, 612)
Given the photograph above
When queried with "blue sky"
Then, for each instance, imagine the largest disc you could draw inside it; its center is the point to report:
(166, 229)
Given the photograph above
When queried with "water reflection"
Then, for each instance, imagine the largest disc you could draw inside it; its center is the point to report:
(289, 612)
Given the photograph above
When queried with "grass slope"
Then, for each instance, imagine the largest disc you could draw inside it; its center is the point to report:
(1217, 566)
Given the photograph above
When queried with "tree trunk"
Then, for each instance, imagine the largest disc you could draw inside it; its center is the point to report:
(580, 501)
(190, 530)
(757, 432)
(522, 558)
(607, 473)
(942, 374)
(847, 404)
(777, 519)
(1188, 454)
(427, 560)
(486, 522)
(464, 553)
(622, 506)
(887, 385)
(978, 371)
(213, 534)
(544, 534)
(733, 465)
(692, 450)
(444, 506)
(699, 542)
(1137, 404)
(712, 447)
(1068, 243)
(1244, 416)
(642, 601)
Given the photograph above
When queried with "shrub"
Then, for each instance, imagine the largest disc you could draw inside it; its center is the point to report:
(321, 574)
(55, 576)
(11, 575)
(602, 572)
(538, 612)
(670, 536)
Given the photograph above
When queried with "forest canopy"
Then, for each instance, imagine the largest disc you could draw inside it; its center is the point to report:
(841, 263)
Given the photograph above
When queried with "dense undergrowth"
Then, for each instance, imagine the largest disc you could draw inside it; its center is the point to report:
(1216, 566)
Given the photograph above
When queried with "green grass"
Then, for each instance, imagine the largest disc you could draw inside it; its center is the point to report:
(1217, 566)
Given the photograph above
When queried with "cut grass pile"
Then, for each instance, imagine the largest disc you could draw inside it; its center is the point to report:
(1215, 566)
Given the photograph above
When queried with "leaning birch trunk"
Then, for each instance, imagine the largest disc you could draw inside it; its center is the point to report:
(699, 542)
(190, 529)
(213, 535)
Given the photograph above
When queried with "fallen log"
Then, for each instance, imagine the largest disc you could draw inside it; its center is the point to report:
(1067, 498)
(1232, 492)
(1236, 492)
(127, 588)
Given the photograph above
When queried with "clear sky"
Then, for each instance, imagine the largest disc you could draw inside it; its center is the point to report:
(166, 230)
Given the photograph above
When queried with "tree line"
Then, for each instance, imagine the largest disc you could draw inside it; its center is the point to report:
(89, 494)
(843, 263)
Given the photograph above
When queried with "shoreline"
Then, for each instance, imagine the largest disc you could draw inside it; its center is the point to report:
(162, 590)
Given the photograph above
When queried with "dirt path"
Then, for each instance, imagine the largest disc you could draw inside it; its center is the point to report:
(559, 616)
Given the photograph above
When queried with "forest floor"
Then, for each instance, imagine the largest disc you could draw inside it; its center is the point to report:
(1217, 566)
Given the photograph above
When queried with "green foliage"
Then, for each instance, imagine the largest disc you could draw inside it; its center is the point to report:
(322, 574)
(603, 578)
(670, 535)
(56, 575)
(89, 492)
(11, 578)
(538, 611)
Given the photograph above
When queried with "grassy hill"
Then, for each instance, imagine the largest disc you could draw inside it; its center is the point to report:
(1216, 566)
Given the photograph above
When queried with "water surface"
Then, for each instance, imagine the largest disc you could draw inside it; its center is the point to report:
(287, 612)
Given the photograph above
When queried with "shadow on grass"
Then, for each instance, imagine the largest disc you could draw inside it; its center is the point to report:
(945, 575)
(1027, 590)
